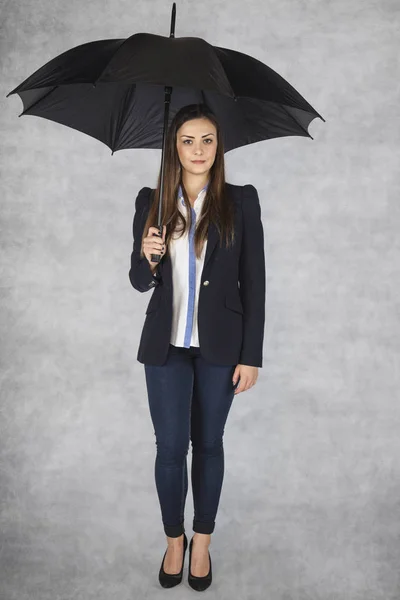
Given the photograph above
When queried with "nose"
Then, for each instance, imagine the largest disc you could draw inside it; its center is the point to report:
(198, 148)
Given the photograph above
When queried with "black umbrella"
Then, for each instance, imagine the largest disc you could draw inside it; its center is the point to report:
(119, 91)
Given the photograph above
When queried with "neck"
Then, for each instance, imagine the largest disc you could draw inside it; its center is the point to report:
(194, 183)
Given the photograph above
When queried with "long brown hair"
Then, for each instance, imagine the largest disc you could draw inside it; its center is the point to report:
(217, 207)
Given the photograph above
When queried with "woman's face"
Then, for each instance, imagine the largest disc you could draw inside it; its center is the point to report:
(197, 140)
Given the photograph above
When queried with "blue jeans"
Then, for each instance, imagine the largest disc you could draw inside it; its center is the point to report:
(189, 398)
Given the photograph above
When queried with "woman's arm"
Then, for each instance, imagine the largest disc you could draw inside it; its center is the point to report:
(141, 275)
(252, 279)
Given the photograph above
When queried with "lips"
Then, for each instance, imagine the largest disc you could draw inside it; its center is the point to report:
(198, 161)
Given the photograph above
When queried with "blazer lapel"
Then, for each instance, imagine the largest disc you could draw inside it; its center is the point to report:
(212, 240)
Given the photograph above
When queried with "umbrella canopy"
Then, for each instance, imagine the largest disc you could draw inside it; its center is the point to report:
(119, 91)
(113, 90)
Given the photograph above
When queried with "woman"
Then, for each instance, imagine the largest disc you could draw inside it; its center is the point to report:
(202, 333)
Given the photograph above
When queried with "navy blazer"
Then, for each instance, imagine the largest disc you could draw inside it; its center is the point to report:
(231, 307)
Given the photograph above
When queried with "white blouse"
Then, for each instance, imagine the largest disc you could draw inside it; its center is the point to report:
(186, 277)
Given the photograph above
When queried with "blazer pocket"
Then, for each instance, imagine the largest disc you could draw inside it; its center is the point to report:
(234, 303)
(154, 301)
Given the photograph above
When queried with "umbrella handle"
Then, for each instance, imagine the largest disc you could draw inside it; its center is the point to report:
(155, 258)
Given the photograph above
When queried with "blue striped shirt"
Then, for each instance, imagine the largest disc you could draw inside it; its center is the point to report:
(186, 277)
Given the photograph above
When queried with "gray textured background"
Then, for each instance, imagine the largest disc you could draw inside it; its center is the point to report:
(310, 505)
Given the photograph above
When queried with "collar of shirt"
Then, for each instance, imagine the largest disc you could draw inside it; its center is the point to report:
(200, 196)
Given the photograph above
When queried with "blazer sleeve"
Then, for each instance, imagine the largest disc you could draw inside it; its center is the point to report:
(252, 279)
(140, 275)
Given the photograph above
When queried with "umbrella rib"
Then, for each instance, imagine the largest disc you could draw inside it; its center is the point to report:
(38, 100)
(109, 60)
(124, 114)
(296, 121)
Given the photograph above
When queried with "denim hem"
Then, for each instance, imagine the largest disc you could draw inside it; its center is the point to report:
(174, 530)
(203, 526)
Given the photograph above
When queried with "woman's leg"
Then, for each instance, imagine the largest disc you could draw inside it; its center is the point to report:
(213, 393)
(169, 389)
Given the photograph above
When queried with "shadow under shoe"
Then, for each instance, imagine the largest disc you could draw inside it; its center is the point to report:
(168, 580)
(198, 583)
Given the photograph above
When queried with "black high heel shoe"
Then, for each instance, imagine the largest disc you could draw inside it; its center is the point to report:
(198, 583)
(169, 580)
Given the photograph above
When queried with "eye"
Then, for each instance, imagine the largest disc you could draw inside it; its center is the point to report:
(206, 140)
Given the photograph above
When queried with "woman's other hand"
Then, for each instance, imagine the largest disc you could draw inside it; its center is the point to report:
(248, 376)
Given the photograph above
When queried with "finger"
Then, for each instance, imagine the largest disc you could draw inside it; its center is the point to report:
(157, 232)
(150, 249)
(244, 385)
(155, 237)
(162, 233)
(153, 231)
(153, 242)
(248, 386)
(160, 249)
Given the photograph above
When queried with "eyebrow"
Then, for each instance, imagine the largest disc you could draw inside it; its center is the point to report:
(191, 136)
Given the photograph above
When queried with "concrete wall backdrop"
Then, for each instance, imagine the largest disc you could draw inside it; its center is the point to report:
(310, 507)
